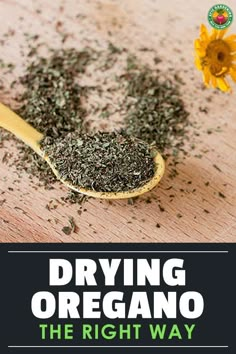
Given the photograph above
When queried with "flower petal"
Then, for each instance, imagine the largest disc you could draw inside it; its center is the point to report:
(204, 35)
(213, 80)
(214, 33)
(232, 46)
(200, 44)
(204, 30)
(223, 70)
(198, 48)
(198, 63)
(197, 44)
(222, 84)
(206, 76)
(233, 74)
(230, 38)
(201, 52)
(221, 33)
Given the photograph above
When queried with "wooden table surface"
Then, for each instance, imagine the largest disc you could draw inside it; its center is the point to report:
(196, 213)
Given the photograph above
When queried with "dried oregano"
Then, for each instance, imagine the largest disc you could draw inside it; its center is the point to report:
(106, 162)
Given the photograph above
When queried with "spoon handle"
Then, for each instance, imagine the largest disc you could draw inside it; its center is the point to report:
(22, 130)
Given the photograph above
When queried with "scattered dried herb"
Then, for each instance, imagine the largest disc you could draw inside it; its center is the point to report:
(161, 208)
(2, 202)
(74, 198)
(72, 224)
(221, 195)
(67, 230)
(156, 113)
(217, 168)
(106, 162)
(51, 102)
(52, 98)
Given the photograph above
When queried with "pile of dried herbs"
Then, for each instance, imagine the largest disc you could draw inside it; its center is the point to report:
(103, 162)
(51, 102)
(155, 111)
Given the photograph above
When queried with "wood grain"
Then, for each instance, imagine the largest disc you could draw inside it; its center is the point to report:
(196, 213)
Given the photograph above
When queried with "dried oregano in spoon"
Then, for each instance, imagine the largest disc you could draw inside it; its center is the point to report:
(53, 102)
(106, 162)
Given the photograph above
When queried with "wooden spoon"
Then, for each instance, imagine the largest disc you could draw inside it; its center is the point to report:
(31, 137)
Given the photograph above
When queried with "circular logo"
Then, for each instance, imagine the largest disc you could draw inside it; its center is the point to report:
(220, 16)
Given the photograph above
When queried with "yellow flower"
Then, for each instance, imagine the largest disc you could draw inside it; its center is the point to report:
(216, 57)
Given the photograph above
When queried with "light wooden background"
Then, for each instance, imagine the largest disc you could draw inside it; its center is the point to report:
(169, 27)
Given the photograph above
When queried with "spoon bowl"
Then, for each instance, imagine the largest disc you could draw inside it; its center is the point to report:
(159, 171)
(30, 136)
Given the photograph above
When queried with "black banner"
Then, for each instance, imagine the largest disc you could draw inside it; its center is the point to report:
(103, 298)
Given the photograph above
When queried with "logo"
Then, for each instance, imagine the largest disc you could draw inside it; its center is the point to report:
(220, 16)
